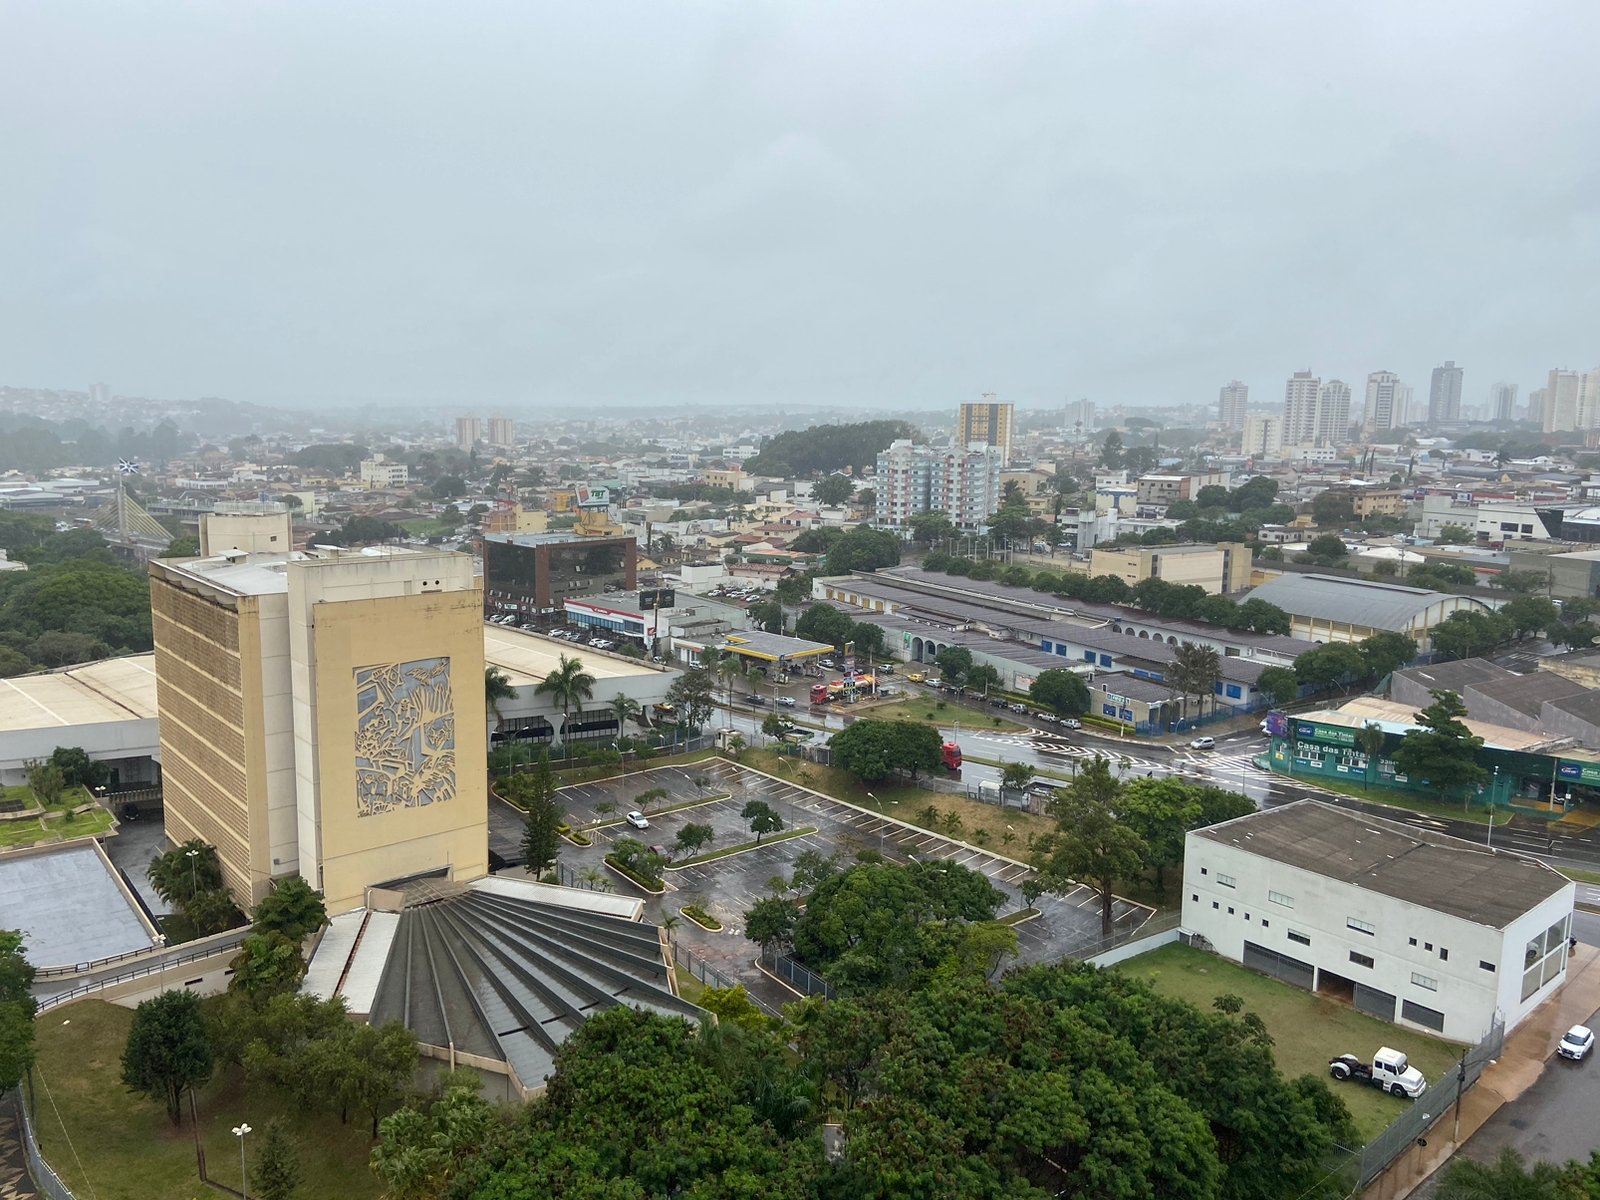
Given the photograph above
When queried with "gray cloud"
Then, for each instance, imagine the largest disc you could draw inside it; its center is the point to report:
(531, 205)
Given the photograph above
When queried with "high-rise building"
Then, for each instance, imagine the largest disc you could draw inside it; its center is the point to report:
(1561, 391)
(1300, 409)
(1263, 435)
(100, 396)
(502, 433)
(1333, 413)
(1232, 403)
(1385, 401)
(469, 432)
(1444, 393)
(525, 575)
(1078, 418)
(1502, 401)
(1589, 400)
(961, 482)
(322, 714)
(988, 422)
(1536, 406)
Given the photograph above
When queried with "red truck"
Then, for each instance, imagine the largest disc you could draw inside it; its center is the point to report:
(952, 756)
(819, 693)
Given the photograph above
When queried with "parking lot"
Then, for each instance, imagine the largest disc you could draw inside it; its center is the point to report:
(727, 887)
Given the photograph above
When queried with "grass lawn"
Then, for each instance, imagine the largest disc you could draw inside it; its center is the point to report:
(1307, 1031)
(56, 828)
(1580, 876)
(928, 712)
(909, 803)
(122, 1146)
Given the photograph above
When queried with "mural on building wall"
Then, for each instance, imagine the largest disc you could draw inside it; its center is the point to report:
(405, 736)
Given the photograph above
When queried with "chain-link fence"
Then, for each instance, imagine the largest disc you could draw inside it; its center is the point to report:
(804, 981)
(1433, 1106)
(709, 975)
(44, 1177)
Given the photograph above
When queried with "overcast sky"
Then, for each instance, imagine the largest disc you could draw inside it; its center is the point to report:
(528, 205)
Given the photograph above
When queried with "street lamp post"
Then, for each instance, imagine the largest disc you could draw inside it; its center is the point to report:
(239, 1132)
(194, 878)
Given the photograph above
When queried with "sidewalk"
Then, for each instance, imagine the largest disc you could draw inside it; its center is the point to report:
(1527, 1052)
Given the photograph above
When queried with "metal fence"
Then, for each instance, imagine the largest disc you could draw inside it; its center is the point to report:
(700, 969)
(803, 980)
(1435, 1105)
(221, 944)
(44, 1176)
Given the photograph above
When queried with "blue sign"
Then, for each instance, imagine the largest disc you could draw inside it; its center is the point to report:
(1108, 710)
(1126, 714)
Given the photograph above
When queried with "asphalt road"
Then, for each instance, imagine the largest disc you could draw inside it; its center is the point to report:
(1553, 1121)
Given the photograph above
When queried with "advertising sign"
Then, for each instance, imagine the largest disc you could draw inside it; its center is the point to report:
(1278, 724)
(592, 497)
(657, 598)
(1327, 735)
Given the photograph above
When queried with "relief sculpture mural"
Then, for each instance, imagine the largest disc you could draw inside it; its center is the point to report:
(405, 736)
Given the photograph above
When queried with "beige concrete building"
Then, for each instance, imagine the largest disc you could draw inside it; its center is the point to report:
(1220, 568)
(250, 528)
(322, 714)
(379, 473)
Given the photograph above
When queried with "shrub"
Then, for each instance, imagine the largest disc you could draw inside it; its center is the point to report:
(700, 917)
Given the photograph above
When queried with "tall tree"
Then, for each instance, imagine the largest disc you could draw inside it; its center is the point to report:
(167, 1051)
(496, 687)
(569, 685)
(691, 695)
(535, 793)
(1443, 750)
(761, 817)
(1195, 671)
(624, 708)
(17, 1009)
(1089, 842)
(1061, 691)
(1372, 740)
(293, 908)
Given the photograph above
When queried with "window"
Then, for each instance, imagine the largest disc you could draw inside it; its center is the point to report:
(1299, 937)
(1263, 922)
(1214, 904)
(1230, 910)
(1483, 965)
(1205, 870)
(1422, 981)
(1234, 691)
(1361, 960)
(1226, 880)
(1360, 926)
(1280, 898)
(1411, 941)
(1427, 945)
(1444, 955)
(1195, 896)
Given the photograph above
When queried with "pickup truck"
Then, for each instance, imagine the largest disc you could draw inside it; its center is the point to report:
(1388, 1070)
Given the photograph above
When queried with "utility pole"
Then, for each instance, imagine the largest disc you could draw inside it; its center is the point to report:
(1461, 1086)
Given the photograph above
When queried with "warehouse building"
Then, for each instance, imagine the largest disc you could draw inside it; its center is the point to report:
(1332, 608)
(1405, 925)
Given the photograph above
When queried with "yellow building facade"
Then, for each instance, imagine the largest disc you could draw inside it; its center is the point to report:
(323, 716)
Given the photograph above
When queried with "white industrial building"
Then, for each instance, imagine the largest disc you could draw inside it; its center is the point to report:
(1408, 926)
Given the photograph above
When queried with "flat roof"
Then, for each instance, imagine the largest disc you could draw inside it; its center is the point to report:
(1394, 717)
(1395, 860)
(527, 658)
(267, 574)
(113, 689)
(771, 646)
(99, 922)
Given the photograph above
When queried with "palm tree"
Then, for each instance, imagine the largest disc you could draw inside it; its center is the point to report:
(1372, 741)
(570, 685)
(496, 687)
(1195, 671)
(623, 707)
(729, 666)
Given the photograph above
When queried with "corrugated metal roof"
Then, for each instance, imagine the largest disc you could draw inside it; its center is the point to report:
(1389, 606)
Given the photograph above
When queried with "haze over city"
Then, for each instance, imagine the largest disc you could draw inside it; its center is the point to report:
(531, 207)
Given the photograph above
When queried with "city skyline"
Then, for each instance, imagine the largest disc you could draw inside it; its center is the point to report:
(507, 209)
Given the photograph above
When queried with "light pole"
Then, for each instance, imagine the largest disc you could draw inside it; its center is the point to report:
(194, 884)
(1494, 790)
(244, 1179)
(879, 806)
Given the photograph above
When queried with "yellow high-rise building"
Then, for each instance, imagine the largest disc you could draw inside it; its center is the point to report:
(322, 714)
(988, 423)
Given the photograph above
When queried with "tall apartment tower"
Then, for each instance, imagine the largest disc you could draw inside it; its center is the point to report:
(1502, 401)
(1300, 409)
(1333, 413)
(1263, 436)
(322, 714)
(1385, 402)
(469, 432)
(1444, 393)
(1561, 390)
(961, 482)
(502, 433)
(1589, 400)
(988, 422)
(1536, 405)
(100, 396)
(1232, 403)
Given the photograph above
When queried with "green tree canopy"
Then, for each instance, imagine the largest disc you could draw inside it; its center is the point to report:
(833, 489)
(807, 452)
(167, 1051)
(1443, 751)
(874, 750)
(17, 1009)
(1089, 843)
(292, 908)
(1061, 691)
(863, 549)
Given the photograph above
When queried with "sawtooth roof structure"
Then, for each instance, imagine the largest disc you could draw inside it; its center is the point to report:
(502, 969)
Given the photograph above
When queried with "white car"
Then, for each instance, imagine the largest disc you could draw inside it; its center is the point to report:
(1203, 743)
(637, 819)
(1576, 1043)
(785, 701)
